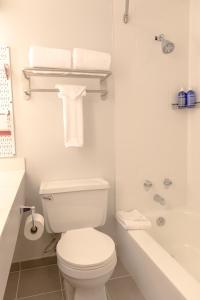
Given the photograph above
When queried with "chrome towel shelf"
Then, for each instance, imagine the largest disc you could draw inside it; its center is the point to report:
(60, 72)
(175, 105)
(65, 73)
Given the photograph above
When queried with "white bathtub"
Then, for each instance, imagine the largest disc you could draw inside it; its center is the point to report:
(165, 261)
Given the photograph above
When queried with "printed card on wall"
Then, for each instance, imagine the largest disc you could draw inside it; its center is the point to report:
(7, 140)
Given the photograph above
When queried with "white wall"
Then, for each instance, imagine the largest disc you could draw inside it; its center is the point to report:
(39, 128)
(194, 114)
(151, 137)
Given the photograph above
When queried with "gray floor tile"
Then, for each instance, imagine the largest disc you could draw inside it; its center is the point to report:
(45, 261)
(39, 280)
(119, 270)
(48, 296)
(124, 289)
(10, 293)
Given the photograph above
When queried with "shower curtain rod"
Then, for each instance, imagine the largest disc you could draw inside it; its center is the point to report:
(125, 17)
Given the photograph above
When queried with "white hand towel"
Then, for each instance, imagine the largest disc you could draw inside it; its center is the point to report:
(49, 57)
(72, 99)
(91, 60)
(133, 220)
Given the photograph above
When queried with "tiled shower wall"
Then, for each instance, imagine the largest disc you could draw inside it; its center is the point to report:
(151, 137)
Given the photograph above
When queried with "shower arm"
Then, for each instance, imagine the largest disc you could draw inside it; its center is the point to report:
(160, 37)
(125, 17)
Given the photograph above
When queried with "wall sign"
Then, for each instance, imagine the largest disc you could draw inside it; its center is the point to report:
(7, 139)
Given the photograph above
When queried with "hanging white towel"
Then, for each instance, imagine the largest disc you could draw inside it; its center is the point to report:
(133, 220)
(72, 100)
(49, 57)
(91, 60)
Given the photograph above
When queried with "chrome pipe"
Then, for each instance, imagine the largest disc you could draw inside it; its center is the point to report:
(126, 16)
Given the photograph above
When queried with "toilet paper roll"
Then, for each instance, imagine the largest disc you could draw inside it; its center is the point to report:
(31, 234)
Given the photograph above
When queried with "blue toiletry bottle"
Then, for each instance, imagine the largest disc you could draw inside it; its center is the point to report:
(182, 98)
(191, 98)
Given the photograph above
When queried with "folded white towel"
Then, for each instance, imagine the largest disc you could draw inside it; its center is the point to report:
(49, 57)
(133, 220)
(132, 215)
(91, 60)
(72, 99)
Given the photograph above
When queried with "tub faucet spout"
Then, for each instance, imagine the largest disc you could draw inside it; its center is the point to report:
(159, 199)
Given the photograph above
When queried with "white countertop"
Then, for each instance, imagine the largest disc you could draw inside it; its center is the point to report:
(9, 185)
(12, 196)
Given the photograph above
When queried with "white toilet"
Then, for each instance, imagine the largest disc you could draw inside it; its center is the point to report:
(86, 256)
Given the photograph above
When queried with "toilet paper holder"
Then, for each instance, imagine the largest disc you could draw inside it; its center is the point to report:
(24, 209)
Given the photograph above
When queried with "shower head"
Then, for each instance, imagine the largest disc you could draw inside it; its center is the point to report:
(167, 46)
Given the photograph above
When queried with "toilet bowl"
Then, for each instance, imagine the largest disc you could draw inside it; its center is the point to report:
(86, 258)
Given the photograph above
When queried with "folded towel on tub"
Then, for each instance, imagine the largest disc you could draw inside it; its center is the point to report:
(133, 220)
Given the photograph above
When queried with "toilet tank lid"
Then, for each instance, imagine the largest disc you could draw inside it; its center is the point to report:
(62, 186)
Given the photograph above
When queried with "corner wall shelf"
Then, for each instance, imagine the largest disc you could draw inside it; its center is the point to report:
(65, 73)
(176, 106)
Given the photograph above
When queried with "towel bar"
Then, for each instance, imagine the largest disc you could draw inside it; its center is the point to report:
(66, 73)
(29, 91)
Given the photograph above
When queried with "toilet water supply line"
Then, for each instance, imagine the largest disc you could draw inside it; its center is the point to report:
(51, 246)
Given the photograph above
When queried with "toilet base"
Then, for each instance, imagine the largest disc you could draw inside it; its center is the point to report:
(69, 290)
(90, 294)
(80, 293)
(75, 291)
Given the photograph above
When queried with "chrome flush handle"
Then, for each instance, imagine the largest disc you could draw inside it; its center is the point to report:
(49, 198)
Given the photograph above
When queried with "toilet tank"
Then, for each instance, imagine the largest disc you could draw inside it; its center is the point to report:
(73, 204)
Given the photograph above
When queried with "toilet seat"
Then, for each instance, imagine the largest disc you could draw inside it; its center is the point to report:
(85, 248)
(85, 253)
